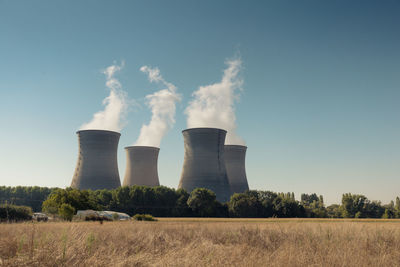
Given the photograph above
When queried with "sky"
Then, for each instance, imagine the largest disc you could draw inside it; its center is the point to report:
(319, 108)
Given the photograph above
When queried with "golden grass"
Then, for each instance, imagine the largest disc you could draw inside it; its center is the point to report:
(203, 242)
(275, 220)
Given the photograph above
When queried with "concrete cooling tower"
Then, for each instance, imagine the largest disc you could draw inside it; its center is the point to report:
(235, 156)
(141, 166)
(204, 164)
(97, 166)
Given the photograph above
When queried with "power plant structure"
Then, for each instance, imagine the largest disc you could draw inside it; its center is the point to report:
(204, 162)
(235, 156)
(97, 166)
(141, 166)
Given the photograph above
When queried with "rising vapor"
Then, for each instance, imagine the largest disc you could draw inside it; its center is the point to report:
(213, 105)
(115, 105)
(162, 105)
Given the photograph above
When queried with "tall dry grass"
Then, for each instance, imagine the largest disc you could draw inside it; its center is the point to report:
(202, 243)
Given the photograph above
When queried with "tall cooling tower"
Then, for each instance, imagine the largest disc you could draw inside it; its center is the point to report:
(204, 164)
(141, 166)
(97, 166)
(235, 157)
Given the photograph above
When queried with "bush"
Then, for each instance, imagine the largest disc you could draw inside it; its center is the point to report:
(66, 211)
(12, 213)
(144, 217)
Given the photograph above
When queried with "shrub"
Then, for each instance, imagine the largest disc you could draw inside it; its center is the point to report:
(144, 217)
(12, 213)
(66, 211)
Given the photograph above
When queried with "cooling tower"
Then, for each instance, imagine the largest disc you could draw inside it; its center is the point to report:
(97, 166)
(141, 166)
(235, 156)
(204, 164)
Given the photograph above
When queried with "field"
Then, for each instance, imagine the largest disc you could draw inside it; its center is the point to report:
(203, 242)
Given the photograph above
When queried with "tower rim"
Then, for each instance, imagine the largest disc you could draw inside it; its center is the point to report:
(149, 147)
(205, 128)
(99, 131)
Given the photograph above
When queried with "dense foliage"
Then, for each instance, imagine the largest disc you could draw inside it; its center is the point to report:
(260, 204)
(32, 196)
(162, 201)
(144, 217)
(13, 213)
(159, 201)
(66, 211)
(203, 202)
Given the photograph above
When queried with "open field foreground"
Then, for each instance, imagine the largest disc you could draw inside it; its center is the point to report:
(203, 242)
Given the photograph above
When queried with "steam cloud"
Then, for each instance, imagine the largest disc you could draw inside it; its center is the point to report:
(162, 105)
(115, 105)
(213, 105)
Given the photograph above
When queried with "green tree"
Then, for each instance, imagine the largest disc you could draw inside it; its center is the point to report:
(353, 205)
(202, 201)
(373, 209)
(243, 205)
(104, 198)
(313, 205)
(307, 199)
(50, 206)
(286, 207)
(181, 207)
(334, 211)
(265, 203)
(397, 208)
(165, 200)
(122, 199)
(388, 214)
(66, 211)
(78, 199)
(32, 196)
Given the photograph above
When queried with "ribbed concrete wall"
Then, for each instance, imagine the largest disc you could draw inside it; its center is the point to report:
(141, 166)
(97, 166)
(204, 164)
(235, 156)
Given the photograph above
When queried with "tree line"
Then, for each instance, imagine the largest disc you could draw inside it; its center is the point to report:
(162, 201)
(32, 196)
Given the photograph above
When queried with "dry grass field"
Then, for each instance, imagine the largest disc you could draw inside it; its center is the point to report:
(203, 242)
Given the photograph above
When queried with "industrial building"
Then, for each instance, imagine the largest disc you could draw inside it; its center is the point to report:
(235, 156)
(141, 166)
(97, 166)
(208, 163)
(204, 163)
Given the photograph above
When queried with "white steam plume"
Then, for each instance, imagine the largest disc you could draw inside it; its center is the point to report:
(162, 105)
(115, 105)
(213, 105)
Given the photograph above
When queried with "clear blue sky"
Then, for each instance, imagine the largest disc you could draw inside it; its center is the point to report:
(320, 111)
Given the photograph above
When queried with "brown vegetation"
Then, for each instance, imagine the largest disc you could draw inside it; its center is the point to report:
(194, 242)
